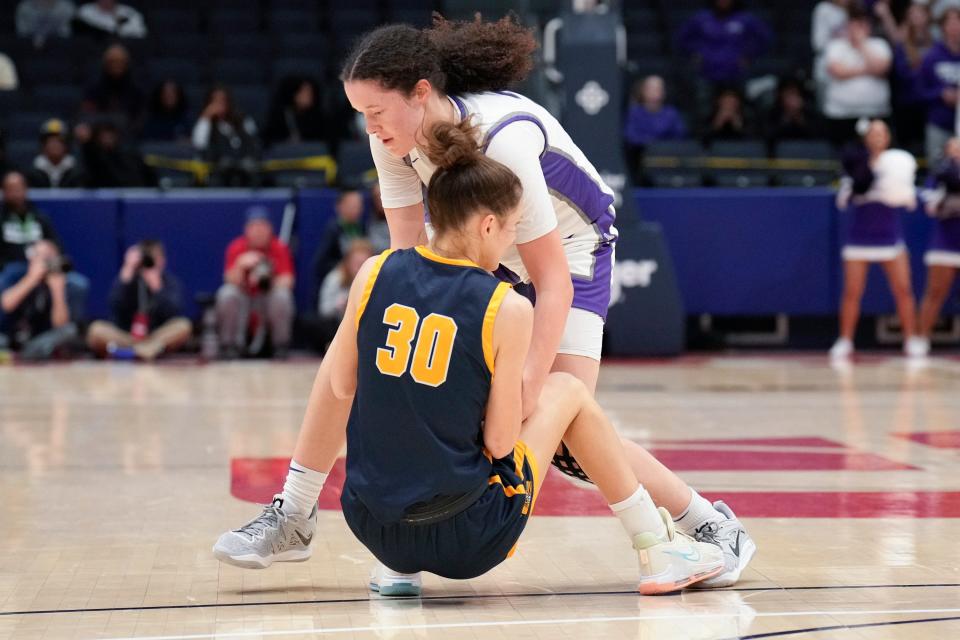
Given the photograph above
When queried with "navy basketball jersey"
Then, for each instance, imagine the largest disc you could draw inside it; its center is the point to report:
(425, 347)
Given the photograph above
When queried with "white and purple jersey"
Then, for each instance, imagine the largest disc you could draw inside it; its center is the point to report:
(876, 232)
(561, 189)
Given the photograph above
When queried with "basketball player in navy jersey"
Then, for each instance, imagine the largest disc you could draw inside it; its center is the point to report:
(442, 470)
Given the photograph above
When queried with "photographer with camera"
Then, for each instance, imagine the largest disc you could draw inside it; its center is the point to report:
(35, 316)
(34, 273)
(146, 303)
(257, 294)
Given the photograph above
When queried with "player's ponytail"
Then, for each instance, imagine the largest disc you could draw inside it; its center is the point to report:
(466, 181)
(456, 57)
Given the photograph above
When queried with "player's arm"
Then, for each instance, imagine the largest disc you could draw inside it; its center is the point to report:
(343, 349)
(518, 146)
(401, 192)
(511, 339)
(406, 226)
(546, 263)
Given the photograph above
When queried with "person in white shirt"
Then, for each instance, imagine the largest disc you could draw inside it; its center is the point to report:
(404, 80)
(857, 85)
(42, 19)
(113, 18)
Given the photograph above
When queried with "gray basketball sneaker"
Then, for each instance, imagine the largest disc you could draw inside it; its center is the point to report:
(732, 538)
(274, 536)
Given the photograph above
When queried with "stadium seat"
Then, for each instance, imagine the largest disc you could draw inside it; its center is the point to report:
(354, 162)
(732, 151)
(171, 161)
(817, 165)
(300, 165)
(666, 163)
(57, 99)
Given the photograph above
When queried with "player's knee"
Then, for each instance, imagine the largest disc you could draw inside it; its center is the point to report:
(567, 385)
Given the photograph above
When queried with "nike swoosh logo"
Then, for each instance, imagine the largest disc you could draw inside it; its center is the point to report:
(693, 555)
(736, 547)
(305, 541)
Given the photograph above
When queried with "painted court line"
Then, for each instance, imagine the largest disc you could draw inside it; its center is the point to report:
(686, 615)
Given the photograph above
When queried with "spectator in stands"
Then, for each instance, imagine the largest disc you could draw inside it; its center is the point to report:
(167, 115)
(943, 253)
(296, 114)
(345, 227)
(107, 160)
(724, 39)
(792, 117)
(41, 20)
(378, 232)
(829, 22)
(110, 18)
(879, 184)
(336, 286)
(147, 307)
(650, 119)
(42, 299)
(728, 120)
(857, 86)
(116, 94)
(911, 40)
(228, 139)
(939, 80)
(9, 80)
(258, 275)
(54, 167)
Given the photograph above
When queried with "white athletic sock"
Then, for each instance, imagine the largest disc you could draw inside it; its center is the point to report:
(638, 514)
(697, 512)
(302, 488)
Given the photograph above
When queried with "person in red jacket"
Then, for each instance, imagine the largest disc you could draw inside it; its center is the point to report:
(255, 302)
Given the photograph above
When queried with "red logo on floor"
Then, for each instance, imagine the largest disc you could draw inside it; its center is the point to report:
(257, 479)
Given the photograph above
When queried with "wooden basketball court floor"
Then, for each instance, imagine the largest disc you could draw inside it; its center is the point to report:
(116, 479)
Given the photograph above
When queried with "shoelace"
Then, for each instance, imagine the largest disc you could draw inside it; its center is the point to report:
(270, 517)
(707, 533)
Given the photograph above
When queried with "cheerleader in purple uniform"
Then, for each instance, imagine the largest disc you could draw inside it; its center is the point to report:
(879, 185)
(943, 255)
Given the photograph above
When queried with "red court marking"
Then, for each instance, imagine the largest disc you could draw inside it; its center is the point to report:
(257, 479)
(938, 439)
(762, 442)
(713, 460)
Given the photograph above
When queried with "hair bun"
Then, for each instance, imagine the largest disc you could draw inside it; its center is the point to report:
(453, 145)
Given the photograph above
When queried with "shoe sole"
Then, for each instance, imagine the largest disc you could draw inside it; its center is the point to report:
(731, 578)
(656, 587)
(399, 589)
(253, 561)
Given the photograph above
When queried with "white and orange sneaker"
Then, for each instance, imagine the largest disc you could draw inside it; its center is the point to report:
(671, 564)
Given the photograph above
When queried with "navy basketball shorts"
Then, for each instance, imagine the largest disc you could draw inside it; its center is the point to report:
(465, 545)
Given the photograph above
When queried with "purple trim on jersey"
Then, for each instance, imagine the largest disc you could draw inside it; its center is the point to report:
(594, 294)
(946, 236)
(575, 185)
(463, 108)
(521, 117)
(875, 225)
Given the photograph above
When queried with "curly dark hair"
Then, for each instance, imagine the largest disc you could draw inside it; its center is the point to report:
(455, 56)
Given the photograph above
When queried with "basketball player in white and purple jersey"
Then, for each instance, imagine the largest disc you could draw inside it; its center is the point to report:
(404, 80)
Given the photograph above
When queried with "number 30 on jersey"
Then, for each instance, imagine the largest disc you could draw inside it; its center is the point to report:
(431, 346)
